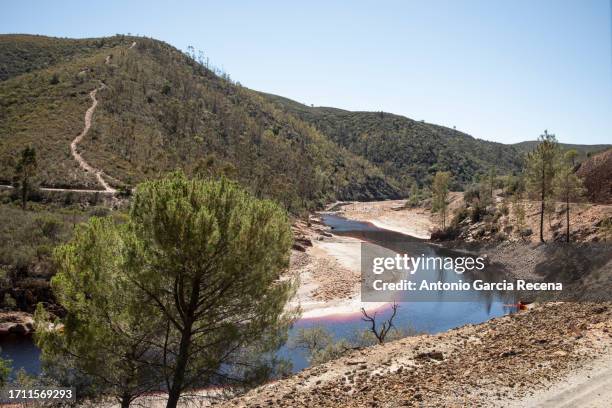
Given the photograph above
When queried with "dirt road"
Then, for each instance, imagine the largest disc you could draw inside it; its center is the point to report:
(590, 387)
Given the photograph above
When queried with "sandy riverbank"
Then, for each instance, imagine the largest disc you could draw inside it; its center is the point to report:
(393, 215)
(329, 278)
(329, 270)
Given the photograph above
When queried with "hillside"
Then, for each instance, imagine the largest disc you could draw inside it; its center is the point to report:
(406, 149)
(160, 110)
(597, 173)
(25, 53)
(584, 151)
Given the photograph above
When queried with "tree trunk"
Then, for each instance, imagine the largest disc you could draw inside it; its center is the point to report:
(179, 371)
(24, 192)
(543, 197)
(183, 354)
(126, 401)
(443, 217)
(567, 218)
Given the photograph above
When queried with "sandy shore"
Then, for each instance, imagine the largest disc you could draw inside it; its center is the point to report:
(393, 215)
(329, 278)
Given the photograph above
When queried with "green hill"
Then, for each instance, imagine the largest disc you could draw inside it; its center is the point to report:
(20, 54)
(584, 151)
(406, 149)
(160, 110)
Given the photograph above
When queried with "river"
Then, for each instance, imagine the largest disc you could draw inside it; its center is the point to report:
(433, 316)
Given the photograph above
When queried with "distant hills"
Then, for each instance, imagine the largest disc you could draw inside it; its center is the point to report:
(160, 110)
(406, 149)
(583, 150)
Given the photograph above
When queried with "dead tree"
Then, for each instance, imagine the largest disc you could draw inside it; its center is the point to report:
(381, 333)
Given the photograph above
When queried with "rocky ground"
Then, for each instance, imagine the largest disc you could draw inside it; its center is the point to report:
(18, 323)
(499, 222)
(496, 363)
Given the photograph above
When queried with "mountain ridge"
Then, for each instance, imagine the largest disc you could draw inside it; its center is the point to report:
(161, 110)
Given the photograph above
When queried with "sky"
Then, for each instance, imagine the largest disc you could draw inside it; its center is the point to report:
(498, 70)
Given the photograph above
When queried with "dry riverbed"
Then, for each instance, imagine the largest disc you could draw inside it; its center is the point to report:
(328, 272)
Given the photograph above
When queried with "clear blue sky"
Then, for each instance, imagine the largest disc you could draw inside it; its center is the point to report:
(499, 70)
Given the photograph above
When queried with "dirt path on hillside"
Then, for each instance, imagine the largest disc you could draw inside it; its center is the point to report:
(74, 149)
(77, 156)
(107, 189)
(88, 117)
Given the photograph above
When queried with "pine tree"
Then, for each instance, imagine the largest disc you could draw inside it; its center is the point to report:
(208, 257)
(439, 190)
(26, 169)
(107, 330)
(188, 292)
(540, 172)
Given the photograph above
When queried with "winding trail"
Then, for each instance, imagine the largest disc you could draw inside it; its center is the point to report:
(107, 189)
(88, 116)
(74, 145)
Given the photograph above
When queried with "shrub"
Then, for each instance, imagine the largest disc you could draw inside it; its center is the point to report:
(445, 234)
(49, 226)
(472, 193)
(461, 214)
(478, 211)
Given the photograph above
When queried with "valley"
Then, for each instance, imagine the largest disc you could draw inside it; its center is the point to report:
(124, 122)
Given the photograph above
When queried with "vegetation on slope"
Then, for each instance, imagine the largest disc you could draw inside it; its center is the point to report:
(21, 54)
(44, 109)
(405, 149)
(597, 172)
(162, 110)
(584, 151)
(27, 239)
